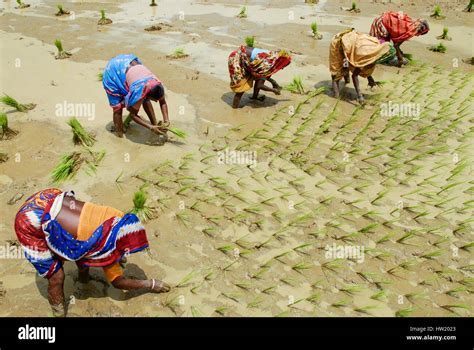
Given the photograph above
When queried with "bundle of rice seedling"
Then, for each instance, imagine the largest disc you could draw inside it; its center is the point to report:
(444, 36)
(243, 12)
(3, 157)
(103, 20)
(469, 6)
(61, 53)
(439, 48)
(250, 41)
(11, 102)
(296, 86)
(405, 312)
(140, 208)
(80, 135)
(67, 167)
(353, 8)
(62, 11)
(178, 53)
(5, 131)
(21, 5)
(314, 30)
(178, 132)
(100, 76)
(437, 13)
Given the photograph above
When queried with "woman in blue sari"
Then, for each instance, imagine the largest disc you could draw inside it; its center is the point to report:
(130, 84)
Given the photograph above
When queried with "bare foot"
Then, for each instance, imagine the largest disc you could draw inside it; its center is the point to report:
(158, 286)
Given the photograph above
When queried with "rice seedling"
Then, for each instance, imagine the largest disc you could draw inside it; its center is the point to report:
(352, 289)
(412, 297)
(222, 310)
(439, 48)
(454, 307)
(6, 132)
(3, 157)
(365, 309)
(93, 161)
(250, 41)
(21, 5)
(178, 53)
(183, 217)
(437, 14)
(67, 167)
(469, 6)
(255, 303)
(100, 76)
(140, 208)
(243, 12)
(172, 302)
(301, 266)
(62, 11)
(62, 54)
(432, 255)
(103, 19)
(444, 35)
(454, 292)
(80, 135)
(269, 290)
(341, 303)
(11, 102)
(408, 235)
(296, 86)
(314, 30)
(380, 296)
(185, 281)
(405, 312)
(353, 8)
(334, 265)
(153, 3)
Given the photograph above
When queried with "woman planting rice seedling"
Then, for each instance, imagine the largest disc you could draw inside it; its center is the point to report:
(248, 64)
(130, 84)
(397, 27)
(53, 226)
(351, 51)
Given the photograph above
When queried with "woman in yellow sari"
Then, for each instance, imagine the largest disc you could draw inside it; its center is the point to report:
(358, 53)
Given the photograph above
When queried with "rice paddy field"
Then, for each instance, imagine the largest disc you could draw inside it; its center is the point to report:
(300, 205)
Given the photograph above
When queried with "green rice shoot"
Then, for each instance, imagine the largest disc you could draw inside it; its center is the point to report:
(250, 41)
(80, 135)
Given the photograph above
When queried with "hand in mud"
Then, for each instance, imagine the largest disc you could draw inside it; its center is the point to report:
(159, 130)
(158, 286)
(163, 124)
(361, 100)
(374, 84)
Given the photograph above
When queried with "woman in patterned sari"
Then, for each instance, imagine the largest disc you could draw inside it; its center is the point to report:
(53, 226)
(397, 27)
(248, 64)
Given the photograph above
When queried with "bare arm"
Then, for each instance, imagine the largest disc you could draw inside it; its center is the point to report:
(164, 110)
(399, 54)
(148, 107)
